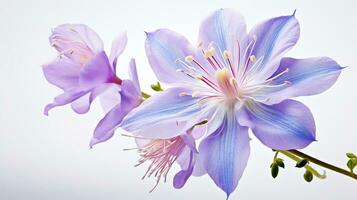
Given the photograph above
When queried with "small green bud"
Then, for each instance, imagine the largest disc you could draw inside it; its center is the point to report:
(308, 176)
(351, 164)
(351, 155)
(274, 170)
(280, 162)
(156, 87)
(301, 163)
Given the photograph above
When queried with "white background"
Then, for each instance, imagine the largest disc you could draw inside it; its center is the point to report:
(48, 157)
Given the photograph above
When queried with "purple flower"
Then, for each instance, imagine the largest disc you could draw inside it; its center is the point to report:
(83, 71)
(236, 81)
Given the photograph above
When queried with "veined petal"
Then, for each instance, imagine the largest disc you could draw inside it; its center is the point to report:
(283, 126)
(274, 38)
(76, 41)
(163, 49)
(118, 47)
(63, 73)
(225, 153)
(95, 72)
(105, 128)
(163, 115)
(305, 76)
(225, 29)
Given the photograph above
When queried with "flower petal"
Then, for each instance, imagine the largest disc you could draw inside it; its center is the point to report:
(133, 74)
(95, 72)
(283, 126)
(110, 97)
(118, 47)
(305, 76)
(76, 41)
(63, 73)
(64, 98)
(226, 28)
(225, 153)
(82, 105)
(182, 176)
(105, 128)
(163, 49)
(163, 115)
(274, 38)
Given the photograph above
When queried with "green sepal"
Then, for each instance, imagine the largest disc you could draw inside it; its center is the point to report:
(351, 155)
(351, 164)
(156, 87)
(280, 162)
(274, 170)
(301, 163)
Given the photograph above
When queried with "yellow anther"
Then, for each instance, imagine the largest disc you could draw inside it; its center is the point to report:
(209, 52)
(222, 74)
(252, 58)
(189, 58)
(199, 77)
(226, 54)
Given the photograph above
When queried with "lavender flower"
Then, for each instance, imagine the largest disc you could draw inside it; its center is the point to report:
(83, 71)
(236, 81)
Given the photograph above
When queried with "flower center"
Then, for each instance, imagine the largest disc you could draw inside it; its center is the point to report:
(227, 84)
(230, 76)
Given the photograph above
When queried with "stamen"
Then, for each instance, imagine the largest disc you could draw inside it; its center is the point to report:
(250, 47)
(208, 82)
(278, 75)
(226, 56)
(254, 88)
(185, 72)
(162, 153)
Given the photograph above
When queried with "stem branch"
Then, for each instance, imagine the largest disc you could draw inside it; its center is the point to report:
(322, 164)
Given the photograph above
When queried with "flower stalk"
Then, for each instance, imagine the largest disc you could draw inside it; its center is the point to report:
(298, 155)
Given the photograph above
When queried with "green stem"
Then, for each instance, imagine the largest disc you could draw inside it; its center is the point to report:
(275, 156)
(307, 167)
(322, 164)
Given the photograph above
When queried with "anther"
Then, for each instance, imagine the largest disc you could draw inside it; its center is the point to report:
(189, 58)
(226, 54)
(252, 58)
